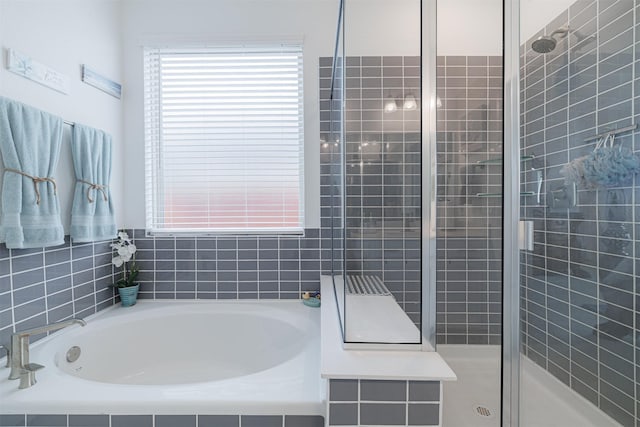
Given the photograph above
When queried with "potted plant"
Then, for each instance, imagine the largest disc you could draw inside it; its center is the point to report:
(127, 286)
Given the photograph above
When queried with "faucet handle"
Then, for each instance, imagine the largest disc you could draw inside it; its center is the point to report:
(28, 375)
(6, 349)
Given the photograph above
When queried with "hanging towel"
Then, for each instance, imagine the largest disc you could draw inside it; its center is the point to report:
(30, 142)
(92, 214)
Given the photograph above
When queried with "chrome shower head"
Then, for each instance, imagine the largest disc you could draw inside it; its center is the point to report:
(546, 44)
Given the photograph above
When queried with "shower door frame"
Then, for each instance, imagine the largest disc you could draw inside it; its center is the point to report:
(510, 411)
(428, 58)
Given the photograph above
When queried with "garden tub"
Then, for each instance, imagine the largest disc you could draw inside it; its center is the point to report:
(173, 357)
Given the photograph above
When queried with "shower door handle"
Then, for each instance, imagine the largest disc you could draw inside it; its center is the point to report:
(525, 235)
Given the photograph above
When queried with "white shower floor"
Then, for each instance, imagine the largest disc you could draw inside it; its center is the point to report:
(545, 402)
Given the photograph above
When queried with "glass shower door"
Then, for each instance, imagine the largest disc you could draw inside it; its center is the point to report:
(578, 306)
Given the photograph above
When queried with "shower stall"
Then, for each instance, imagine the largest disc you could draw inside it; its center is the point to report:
(572, 92)
(459, 211)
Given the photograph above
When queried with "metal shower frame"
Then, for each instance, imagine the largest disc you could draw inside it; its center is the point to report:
(428, 55)
(510, 413)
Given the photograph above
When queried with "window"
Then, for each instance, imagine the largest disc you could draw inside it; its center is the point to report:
(224, 140)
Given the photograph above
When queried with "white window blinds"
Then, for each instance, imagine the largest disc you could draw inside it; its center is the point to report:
(224, 140)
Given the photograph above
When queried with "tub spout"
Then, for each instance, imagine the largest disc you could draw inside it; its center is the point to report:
(19, 351)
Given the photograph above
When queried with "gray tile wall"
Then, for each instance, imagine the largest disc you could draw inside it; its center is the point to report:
(382, 176)
(580, 292)
(249, 267)
(355, 402)
(103, 420)
(331, 170)
(41, 286)
(469, 203)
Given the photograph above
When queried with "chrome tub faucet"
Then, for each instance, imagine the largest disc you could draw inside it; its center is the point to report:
(18, 353)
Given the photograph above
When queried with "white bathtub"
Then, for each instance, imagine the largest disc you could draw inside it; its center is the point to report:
(195, 357)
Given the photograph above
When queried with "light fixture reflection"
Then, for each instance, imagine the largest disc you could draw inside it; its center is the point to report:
(390, 106)
(410, 103)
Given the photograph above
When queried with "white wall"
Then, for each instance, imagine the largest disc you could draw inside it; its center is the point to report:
(536, 14)
(381, 27)
(469, 27)
(64, 34)
(474, 27)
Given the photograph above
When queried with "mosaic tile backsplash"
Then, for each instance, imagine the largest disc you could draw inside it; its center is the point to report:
(580, 294)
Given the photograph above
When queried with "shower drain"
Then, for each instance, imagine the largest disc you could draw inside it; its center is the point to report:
(483, 411)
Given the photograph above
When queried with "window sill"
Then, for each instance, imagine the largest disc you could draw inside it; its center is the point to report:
(284, 232)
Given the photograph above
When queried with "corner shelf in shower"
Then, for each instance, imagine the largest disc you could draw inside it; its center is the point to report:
(490, 195)
(498, 160)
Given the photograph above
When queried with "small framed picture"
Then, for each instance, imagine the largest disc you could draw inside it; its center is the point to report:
(101, 82)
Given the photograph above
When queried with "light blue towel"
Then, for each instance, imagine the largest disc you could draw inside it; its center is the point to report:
(92, 214)
(30, 142)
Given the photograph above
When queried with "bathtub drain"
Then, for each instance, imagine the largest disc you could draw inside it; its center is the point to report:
(73, 354)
